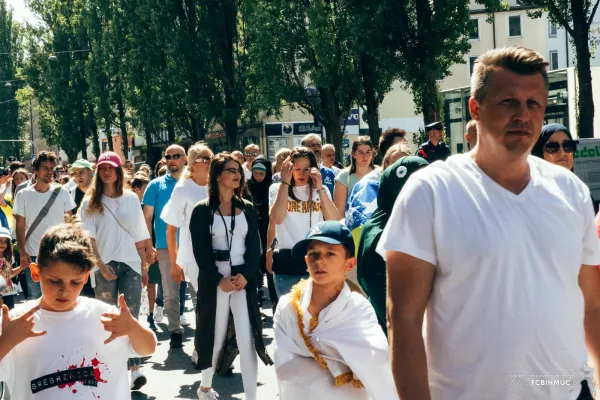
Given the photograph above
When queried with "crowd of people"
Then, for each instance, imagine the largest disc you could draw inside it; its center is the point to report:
(497, 248)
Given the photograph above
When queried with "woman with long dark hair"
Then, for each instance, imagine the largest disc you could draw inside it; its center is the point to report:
(258, 194)
(298, 202)
(363, 154)
(112, 217)
(226, 245)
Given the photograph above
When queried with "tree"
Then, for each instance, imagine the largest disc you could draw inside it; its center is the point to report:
(576, 17)
(10, 58)
(427, 37)
(300, 54)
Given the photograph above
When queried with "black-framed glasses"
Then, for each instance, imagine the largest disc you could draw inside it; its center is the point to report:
(251, 154)
(204, 160)
(569, 146)
(233, 171)
(174, 157)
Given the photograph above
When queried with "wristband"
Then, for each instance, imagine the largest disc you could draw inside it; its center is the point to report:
(285, 183)
(320, 190)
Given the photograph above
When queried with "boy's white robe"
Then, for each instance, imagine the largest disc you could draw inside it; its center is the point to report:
(348, 338)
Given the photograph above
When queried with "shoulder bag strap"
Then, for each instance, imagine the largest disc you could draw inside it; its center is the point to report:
(118, 222)
(43, 212)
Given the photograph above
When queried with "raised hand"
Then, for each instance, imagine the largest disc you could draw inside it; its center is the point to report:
(316, 177)
(16, 330)
(286, 170)
(119, 324)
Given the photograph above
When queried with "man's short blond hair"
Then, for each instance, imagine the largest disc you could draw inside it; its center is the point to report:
(328, 146)
(519, 60)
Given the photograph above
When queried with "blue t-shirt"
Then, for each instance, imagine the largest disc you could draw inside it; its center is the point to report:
(328, 178)
(157, 194)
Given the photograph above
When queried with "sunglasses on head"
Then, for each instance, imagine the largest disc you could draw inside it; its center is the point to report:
(174, 157)
(251, 154)
(569, 146)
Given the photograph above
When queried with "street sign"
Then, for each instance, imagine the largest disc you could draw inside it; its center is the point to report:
(346, 143)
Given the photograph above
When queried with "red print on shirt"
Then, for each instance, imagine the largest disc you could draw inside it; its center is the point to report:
(85, 374)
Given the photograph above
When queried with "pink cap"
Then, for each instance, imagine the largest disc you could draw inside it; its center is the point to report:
(110, 158)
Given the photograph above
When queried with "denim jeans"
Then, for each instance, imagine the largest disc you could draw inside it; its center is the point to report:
(284, 283)
(129, 283)
(35, 292)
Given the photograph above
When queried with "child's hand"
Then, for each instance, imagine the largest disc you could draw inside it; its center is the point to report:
(120, 324)
(16, 330)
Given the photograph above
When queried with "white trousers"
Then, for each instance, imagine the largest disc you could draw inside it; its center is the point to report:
(236, 302)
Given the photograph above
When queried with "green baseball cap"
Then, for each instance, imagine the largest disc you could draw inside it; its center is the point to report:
(81, 164)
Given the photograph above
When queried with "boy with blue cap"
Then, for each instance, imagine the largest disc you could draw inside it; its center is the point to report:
(328, 344)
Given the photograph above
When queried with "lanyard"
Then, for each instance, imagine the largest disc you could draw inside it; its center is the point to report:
(229, 241)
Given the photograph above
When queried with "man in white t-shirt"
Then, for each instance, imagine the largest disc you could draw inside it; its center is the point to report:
(250, 153)
(29, 202)
(500, 249)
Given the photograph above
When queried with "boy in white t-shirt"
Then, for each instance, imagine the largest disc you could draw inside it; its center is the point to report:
(63, 346)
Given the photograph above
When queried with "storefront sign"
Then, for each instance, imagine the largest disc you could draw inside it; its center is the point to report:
(353, 118)
(587, 164)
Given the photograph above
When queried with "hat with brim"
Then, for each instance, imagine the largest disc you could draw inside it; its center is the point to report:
(110, 158)
(330, 232)
(5, 233)
(81, 164)
(438, 126)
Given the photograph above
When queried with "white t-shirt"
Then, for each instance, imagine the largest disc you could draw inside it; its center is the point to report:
(29, 203)
(299, 218)
(178, 213)
(238, 240)
(114, 244)
(506, 310)
(70, 185)
(247, 172)
(71, 354)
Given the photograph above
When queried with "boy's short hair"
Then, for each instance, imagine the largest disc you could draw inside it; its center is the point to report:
(69, 244)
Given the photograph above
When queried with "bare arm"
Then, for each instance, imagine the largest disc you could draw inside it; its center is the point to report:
(25, 259)
(589, 282)
(176, 271)
(330, 211)
(270, 238)
(279, 209)
(409, 288)
(148, 214)
(340, 194)
(105, 270)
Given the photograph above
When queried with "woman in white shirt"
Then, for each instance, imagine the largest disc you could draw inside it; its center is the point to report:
(226, 245)
(298, 202)
(363, 153)
(114, 220)
(191, 188)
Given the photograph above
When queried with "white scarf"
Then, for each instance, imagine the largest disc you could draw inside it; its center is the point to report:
(348, 338)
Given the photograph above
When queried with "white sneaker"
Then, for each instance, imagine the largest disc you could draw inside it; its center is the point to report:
(195, 357)
(183, 321)
(138, 379)
(210, 395)
(159, 313)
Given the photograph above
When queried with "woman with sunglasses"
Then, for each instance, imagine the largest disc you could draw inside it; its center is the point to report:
(226, 246)
(556, 145)
(363, 153)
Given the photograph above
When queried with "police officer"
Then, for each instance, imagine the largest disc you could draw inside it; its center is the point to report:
(434, 149)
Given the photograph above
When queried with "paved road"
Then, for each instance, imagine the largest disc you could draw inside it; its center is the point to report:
(171, 374)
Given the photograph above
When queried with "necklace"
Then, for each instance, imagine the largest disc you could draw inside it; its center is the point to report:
(296, 294)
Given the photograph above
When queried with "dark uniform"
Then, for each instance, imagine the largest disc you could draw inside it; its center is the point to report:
(430, 152)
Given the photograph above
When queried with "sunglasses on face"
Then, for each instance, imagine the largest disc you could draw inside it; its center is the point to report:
(204, 160)
(233, 171)
(251, 154)
(174, 157)
(569, 146)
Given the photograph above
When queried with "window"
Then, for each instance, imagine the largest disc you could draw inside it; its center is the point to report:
(474, 34)
(472, 64)
(552, 30)
(514, 26)
(553, 60)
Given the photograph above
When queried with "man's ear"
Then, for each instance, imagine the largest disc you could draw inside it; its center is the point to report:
(87, 276)
(35, 272)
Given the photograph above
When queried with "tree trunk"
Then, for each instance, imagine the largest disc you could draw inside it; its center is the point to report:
(171, 131)
(231, 131)
(123, 126)
(194, 128)
(331, 120)
(585, 100)
(94, 128)
(149, 153)
(372, 115)
(83, 133)
(430, 100)
(108, 134)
